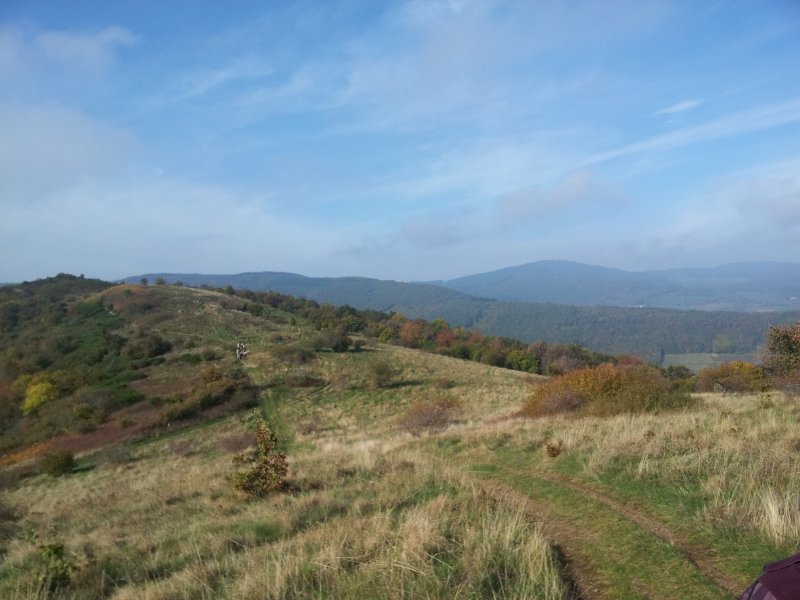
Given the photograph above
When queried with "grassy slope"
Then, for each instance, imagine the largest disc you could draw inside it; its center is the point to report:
(645, 332)
(649, 506)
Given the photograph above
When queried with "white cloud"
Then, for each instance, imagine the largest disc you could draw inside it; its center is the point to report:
(90, 51)
(46, 148)
(133, 227)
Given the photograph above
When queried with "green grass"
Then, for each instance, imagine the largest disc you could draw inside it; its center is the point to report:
(374, 512)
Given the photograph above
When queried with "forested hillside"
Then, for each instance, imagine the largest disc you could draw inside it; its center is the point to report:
(757, 286)
(646, 332)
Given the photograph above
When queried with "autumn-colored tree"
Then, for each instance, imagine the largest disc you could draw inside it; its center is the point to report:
(38, 394)
(411, 334)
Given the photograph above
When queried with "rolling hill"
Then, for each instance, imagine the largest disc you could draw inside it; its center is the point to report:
(427, 485)
(649, 333)
(757, 286)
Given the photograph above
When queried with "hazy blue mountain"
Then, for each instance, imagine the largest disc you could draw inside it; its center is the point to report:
(646, 332)
(763, 286)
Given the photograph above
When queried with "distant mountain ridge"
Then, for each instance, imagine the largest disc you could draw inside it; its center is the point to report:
(743, 287)
(647, 332)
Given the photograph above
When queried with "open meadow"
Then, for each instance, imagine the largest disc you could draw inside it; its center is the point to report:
(419, 480)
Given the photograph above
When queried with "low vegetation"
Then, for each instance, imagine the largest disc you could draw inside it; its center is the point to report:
(606, 390)
(384, 472)
(266, 466)
(734, 377)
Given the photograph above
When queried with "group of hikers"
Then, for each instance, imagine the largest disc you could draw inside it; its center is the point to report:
(241, 351)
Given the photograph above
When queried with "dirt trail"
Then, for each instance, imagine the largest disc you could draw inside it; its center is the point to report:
(693, 554)
(610, 550)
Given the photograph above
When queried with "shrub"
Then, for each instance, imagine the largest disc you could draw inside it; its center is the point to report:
(148, 346)
(216, 387)
(267, 468)
(38, 394)
(337, 341)
(191, 358)
(606, 390)
(737, 376)
(292, 354)
(553, 450)
(57, 463)
(430, 416)
(382, 372)
(208, 354)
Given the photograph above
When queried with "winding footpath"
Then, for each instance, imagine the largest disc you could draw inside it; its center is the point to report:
(609, 550)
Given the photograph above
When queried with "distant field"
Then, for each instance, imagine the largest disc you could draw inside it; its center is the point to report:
(700, 360)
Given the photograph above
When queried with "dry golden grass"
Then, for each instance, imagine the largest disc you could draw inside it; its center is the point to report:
(373, 513)
(739, 450)
(370, 516)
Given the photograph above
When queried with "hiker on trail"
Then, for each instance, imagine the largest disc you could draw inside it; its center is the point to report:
(779, 581)
(241, 351)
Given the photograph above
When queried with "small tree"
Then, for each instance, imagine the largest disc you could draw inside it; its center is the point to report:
(160, 281)
(781, 357)
(782, 352)
(267, 468)
(143, 280)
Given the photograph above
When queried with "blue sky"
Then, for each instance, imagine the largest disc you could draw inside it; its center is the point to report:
(399, 140)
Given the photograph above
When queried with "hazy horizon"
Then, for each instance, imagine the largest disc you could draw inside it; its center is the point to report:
(410, 141)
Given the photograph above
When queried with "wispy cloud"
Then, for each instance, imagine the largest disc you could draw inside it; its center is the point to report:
(738, 123)
(680, 107)
(242, 70)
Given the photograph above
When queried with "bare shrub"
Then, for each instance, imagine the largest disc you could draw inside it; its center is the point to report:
(430, 417)
(382, 372)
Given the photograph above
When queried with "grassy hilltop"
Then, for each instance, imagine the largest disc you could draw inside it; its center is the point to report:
(410, 475)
